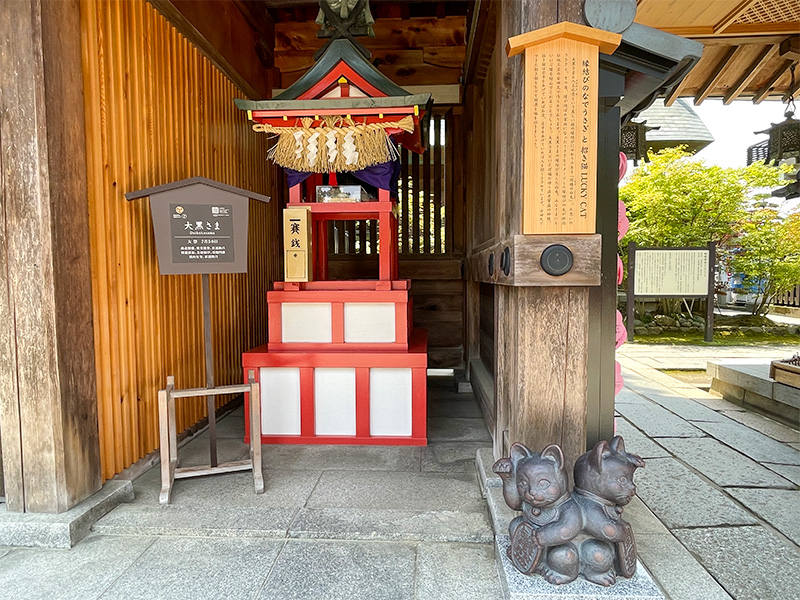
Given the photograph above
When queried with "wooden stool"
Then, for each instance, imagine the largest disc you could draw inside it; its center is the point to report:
(169, 435)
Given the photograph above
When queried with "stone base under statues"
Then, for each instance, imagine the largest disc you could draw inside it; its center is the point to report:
(517, 586)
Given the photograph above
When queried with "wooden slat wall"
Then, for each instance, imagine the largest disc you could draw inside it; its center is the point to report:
(158, 111)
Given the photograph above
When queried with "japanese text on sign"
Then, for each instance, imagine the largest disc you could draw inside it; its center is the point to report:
(201, 233)
(671, 273)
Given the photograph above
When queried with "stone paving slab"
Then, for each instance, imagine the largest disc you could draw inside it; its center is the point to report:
(638, 443)
(392, 525)
(286, 457)
(83, 572)
(750, 562)
(682, 499)
(721, 464)
(676, 569)
(517, 586)
(456, 572)
(628, 396)
(446, 457)
(656, 421)
(197, 452)
(684, 407)
(4, 551)
(764, 425)
(341, 571)
(779, 508)
(642, 518)
(402, 491)
(756, 445)
(198, 569)
(457, 430)
(281, 489)
(790, 472)
(458, 408)
(712, 401)
(198, 521)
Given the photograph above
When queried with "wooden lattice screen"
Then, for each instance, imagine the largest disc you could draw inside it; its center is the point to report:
(789, 298)
(425, 201)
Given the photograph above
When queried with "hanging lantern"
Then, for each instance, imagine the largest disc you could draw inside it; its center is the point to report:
(784, 138)
(633, 141)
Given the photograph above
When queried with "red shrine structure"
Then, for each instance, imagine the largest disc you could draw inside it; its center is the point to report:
(343, 364)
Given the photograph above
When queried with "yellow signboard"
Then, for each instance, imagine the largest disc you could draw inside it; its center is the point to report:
(560, 126)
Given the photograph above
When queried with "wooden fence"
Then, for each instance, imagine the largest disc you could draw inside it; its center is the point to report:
(788, 298)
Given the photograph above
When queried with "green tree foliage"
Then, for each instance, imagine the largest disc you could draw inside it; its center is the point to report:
(768, 254)
(678, 200)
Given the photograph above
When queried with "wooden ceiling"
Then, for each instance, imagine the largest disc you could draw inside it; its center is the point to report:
(415, 43)
(750, 44)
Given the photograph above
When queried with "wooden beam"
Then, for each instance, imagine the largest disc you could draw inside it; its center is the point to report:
(479, 34)
(732, 16)
(765, 89)
(744, 29)
(716, 75)
(790, 47)
(752, 71)
(677, 91)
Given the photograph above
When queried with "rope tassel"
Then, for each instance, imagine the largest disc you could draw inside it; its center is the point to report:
(338, 145)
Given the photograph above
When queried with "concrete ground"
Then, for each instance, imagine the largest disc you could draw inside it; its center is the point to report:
(716, 518)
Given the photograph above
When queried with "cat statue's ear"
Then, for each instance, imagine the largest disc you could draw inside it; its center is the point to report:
(519, 452)
(600, 450)
(618, 447)
(554, 453)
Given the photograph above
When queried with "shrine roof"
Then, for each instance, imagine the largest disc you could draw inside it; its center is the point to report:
(339, 51)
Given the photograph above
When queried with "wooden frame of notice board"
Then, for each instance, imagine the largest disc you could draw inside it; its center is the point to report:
(682, 272)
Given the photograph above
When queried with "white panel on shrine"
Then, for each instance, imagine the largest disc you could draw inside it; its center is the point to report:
(280, 401)
(334, 401)
(306, 322)
(369, 322)
(390, 402)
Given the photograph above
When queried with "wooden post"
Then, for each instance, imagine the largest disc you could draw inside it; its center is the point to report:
(48, 397)
(561, 104)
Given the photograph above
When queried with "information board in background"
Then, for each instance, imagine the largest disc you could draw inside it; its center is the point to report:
(672, 272)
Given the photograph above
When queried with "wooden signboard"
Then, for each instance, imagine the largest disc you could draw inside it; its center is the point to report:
(559, 186)
(297, 244)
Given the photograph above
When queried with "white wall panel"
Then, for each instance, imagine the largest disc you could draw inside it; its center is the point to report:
(306, 322)
(280, 401)
(335, 401)
(369, 322)
(390, 402)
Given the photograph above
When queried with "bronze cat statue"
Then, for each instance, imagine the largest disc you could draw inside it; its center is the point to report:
(537, 484)
(603, 486)
(560, 535)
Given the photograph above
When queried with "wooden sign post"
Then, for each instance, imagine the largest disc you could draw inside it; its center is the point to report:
(559, 189)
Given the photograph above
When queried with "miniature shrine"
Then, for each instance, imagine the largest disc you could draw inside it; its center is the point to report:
(343, 363)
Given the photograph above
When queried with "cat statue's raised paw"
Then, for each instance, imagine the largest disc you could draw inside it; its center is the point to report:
(537, 485)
